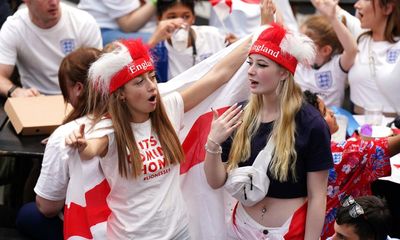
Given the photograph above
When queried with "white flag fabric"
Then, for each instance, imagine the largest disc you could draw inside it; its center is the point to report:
(222, 8)
(86, 210)
(244, 15)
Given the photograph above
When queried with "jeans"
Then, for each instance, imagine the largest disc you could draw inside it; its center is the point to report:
(35, 225)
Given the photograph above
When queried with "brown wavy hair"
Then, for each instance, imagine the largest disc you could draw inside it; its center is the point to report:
(74, 68)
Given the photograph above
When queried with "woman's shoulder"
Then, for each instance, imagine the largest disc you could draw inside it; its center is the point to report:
(308, 113)
(309, 118)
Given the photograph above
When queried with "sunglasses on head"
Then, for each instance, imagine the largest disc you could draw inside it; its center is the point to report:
(355, 210)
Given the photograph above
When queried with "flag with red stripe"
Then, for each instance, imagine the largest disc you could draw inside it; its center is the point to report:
(206, 206)
(86, 210)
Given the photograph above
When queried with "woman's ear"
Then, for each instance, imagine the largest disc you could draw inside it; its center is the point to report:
(78, 88)
(388, 9)
(121, 96)
(326, 50)
(284, 74)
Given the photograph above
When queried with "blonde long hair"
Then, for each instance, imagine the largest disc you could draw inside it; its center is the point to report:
(283, 132)
(289, 96)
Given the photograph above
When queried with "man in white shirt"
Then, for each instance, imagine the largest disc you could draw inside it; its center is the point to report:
(36, 39)
(123, 19)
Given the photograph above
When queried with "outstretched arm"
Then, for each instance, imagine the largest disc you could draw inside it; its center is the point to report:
(328, 8)
(221, 73)
(136, 19)
(224, 70)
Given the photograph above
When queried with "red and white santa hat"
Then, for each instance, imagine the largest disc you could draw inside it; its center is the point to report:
(284, 47)
(114, 69)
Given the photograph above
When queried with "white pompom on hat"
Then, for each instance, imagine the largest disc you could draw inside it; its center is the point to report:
(114, 69)
(284, 47)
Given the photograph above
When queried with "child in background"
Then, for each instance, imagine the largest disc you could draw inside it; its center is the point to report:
(357, 163)
(178, 44)
(336, 51)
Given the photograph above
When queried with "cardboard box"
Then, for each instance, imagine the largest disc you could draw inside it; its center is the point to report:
(36, 115)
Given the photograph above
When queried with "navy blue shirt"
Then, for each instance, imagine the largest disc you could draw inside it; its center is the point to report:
(312, 144)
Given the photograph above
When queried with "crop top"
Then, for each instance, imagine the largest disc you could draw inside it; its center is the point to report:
(312, 144)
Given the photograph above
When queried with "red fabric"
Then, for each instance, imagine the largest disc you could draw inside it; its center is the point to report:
(129, 72)
(79, 219)
(297, 227)
(227, 3)
(268, 45)
(193, 145)
(141, 63)
(357, 163)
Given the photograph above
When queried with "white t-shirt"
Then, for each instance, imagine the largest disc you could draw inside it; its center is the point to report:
(209, 40)
(57, 165)
(372, 77)
(150, 206)
(38, 52)
(328, 81)
(107, 11)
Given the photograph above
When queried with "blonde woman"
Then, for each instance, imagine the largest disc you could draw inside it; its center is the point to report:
(292, 205)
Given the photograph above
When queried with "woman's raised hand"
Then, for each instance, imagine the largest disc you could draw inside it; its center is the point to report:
(268, 10)
(165, 29)
(223, 126)
(77, 139)
(326, 7)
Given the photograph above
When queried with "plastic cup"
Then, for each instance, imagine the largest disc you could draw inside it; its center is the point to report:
(373, 114)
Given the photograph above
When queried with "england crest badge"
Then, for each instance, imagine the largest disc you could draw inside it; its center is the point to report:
(67, 45)
(392, 55)
(323, 80)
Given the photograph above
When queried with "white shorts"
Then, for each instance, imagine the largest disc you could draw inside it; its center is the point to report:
(247, 228)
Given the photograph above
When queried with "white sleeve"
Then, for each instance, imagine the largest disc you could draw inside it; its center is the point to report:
(174, 107)
(90, 34)
(54, 175)
(118, 8)
(8, 42)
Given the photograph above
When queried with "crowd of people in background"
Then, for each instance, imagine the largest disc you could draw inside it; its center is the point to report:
(271, 154)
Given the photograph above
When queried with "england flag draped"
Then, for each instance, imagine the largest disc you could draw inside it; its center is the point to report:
(86, 209)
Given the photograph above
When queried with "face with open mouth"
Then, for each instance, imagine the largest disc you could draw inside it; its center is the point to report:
(264, 75)
(140, 94)
(371, 14)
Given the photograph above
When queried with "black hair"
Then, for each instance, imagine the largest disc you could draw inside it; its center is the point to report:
(164, 5)
(375, 223)
(311, 98)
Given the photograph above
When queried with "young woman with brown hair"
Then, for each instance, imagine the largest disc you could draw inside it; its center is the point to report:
(141, 158)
